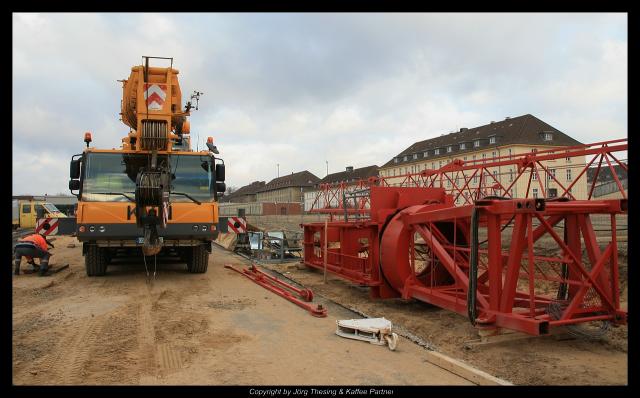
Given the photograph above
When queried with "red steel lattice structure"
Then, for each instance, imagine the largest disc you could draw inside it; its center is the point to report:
(471, 180)
(414, 243)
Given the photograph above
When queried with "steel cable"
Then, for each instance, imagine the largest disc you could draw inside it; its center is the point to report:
(473, 268)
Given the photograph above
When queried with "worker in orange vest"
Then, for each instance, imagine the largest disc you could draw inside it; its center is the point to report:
(33, 246)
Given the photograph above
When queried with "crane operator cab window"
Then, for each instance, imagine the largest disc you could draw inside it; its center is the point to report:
(111, 177)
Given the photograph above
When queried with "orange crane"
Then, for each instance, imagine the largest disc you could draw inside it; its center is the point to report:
(155, 193)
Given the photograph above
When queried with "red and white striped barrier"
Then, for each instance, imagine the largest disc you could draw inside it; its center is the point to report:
(53, 226)
(237, 225)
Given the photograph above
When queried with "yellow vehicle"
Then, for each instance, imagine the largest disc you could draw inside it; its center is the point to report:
(26, 212)
(155, 195)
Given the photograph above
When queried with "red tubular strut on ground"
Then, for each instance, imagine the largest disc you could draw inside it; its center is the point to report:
(279, 287)
(305, 294)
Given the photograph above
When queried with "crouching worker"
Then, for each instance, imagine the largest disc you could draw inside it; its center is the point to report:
(31, 247)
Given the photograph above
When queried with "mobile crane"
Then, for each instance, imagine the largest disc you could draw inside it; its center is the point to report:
(155, 194)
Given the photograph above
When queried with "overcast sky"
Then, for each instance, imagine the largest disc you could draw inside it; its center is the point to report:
(302, 89)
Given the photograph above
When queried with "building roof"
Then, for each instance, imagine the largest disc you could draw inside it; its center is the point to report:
(299, 179)
(604, 174)
(250, 189)
(526, 129)
(350, 174)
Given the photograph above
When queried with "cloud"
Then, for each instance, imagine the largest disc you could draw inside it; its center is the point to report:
(303, 89)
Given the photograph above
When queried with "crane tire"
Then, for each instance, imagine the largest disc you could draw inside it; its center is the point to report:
(95, 261)
(198, 260)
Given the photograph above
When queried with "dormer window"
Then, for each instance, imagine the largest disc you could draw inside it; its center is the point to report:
(396, 160)
(449, 148)
(476, 143)
(415, 156)
(547, 136)
(437, 151)
(462, 146)
(492, 139)
(425, 154)
(405, 158)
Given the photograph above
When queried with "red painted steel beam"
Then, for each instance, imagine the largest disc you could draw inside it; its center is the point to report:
(317, 310)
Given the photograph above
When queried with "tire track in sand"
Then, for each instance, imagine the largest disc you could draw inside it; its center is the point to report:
(146, 337)
(66, 365)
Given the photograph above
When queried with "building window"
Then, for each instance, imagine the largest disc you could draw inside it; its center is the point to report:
(465, 158)
(493, 154)
(415, 156)
(440, 163)
(509, 153)
(568, 174)
(534, 175)
(474, 157)
(534, 150)
(535, 192)
(394, 172)
(462, 146)
(495, 174)
(475, 179)
(437, 151)
(449, 148)
(433, 165)
(492, 139)
(484, 156)
(425, 154)
(548, 136)
(405, 158)
(568, 160)
(476, 143)
(395, 160)
(552, 174)
(510, 175)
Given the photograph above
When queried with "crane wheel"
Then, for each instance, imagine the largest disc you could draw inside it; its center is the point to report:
(198, 260)
(95, 261)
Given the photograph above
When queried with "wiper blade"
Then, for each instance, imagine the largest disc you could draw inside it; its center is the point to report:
(112, 193)
(187, 195)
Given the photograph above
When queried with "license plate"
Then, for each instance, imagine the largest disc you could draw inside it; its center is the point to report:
(140, 240)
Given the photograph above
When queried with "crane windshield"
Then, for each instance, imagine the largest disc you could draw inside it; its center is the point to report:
(111, 177)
